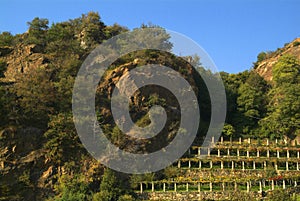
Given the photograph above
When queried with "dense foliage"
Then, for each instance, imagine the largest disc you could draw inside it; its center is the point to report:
(41, 98)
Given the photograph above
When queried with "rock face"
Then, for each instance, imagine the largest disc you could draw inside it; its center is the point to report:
(21, 59)
(264, 68)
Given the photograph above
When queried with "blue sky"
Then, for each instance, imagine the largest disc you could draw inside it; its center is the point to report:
(232, 32)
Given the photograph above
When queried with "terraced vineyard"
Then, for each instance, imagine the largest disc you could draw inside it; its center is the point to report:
(254, 167)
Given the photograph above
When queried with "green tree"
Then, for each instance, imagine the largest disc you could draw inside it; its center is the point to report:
(284, 106)
(6, 39)
(109, 188)
(37, 31)
(63, 143)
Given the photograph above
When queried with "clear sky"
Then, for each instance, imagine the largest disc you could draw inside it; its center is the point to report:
(232, 32)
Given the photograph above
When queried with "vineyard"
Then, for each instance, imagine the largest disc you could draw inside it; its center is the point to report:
(254, 167)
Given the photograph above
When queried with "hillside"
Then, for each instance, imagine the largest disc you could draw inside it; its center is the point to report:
(268, 59)
(42, 157)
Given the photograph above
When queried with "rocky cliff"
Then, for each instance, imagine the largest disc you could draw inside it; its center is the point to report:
(264, 67)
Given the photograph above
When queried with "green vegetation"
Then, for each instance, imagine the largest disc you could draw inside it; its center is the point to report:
(41, 156)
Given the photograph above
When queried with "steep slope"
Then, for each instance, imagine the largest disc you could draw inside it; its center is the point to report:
(264, 67)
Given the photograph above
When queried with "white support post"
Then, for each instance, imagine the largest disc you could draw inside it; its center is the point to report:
(228, 152)
(235, 186)
(243, 165)
(164, 187)
(297, 166)
(175, 187)
(232, 165)
(268, 153)
(249, 140)
(276, 166)
(223, 186)
(287, 165)
(210, 186)
(238, 153)
(190, 164)
(218, 152)
(221, 139)
(287, 153)
(141, 187)
(278, 154)
(267, 141)
(222, 165)
(283, 184)
(247, 154)
(260, 187)
(213, 139)
(265, 165)
(248, 187)
(240, 140)
(187, 187)
(208, 152)
(199, 187)
(199, 151)
(211, 164)
(200, 164)
(254, 165)
(272, 183)
(152, 189)
(257, 153)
